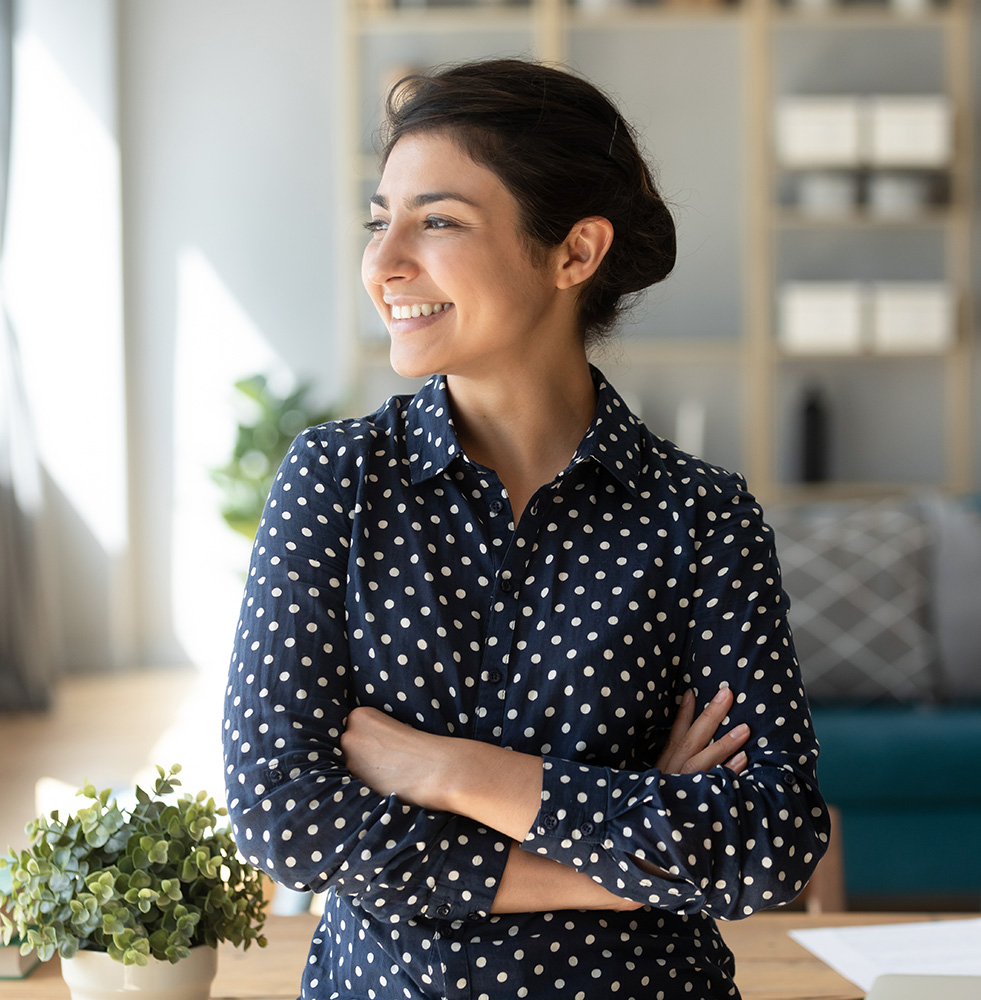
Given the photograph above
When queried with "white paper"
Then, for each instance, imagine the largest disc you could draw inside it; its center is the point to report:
(937, 947)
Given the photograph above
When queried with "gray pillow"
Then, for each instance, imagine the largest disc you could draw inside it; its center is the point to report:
(956, 586)
(857, 574)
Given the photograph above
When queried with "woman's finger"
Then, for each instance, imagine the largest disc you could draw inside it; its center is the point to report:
(675, 749)
(683, 746)
(718, 752)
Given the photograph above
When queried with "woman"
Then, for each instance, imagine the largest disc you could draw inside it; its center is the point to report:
(480, 622)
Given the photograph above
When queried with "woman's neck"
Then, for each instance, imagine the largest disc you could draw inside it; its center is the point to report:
(526, 423)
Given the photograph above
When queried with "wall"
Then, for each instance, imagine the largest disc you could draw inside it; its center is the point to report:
(229, 205)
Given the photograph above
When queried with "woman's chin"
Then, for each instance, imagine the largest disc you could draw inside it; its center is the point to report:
(408, 365)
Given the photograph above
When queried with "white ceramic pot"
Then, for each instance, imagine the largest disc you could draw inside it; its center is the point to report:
(93, 975)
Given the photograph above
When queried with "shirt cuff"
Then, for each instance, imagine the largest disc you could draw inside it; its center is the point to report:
(470, 877)
(572, 815)
(573, 828)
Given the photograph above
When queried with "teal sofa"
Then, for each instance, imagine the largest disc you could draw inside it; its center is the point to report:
(906, 780)
(886, 610)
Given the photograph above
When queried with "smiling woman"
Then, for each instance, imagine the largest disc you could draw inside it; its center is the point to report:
(513, 680)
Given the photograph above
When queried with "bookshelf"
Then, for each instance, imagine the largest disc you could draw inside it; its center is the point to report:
(703, 82)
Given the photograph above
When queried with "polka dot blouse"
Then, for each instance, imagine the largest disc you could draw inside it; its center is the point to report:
(388, 571)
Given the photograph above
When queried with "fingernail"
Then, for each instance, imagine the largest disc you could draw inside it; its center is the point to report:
(739, 761)
(721, 696)
(740, 732)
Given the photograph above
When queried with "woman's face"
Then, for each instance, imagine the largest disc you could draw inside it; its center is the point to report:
(448, 269)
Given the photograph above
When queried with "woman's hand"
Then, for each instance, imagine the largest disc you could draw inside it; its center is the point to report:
(396, 759)
(692, 745)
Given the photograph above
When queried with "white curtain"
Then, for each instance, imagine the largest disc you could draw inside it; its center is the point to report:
(25, 661)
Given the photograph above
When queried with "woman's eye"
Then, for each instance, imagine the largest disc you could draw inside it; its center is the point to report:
(435, 222)
(375, 225)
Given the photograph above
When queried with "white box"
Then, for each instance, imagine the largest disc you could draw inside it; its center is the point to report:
(819, 317)
(818, 131)
(909, 131)
(912, 317)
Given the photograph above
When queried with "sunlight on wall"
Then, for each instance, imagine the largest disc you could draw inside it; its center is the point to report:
(217, 343)
(63, 278)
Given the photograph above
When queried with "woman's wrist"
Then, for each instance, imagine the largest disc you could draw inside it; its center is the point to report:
(499, 788)
(446, 773)
(532, 883)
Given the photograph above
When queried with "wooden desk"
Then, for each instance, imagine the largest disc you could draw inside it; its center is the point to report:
(769, 964)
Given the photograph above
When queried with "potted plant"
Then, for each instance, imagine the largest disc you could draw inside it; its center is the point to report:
(155, 886)
(269, 424)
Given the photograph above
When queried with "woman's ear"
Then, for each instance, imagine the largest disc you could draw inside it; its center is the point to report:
(583, 250)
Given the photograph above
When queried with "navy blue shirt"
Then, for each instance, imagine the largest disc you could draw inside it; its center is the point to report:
(388, 571)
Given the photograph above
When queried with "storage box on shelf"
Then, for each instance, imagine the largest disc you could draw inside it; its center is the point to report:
(884, 317)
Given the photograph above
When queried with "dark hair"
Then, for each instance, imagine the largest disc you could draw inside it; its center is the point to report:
(563, 151)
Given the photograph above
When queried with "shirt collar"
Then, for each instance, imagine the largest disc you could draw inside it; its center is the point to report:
(613, 438)
(430, 436)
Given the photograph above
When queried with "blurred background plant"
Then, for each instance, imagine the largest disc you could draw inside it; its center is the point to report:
(270, 422)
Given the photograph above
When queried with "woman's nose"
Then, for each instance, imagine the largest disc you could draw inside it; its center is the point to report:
(388, 258)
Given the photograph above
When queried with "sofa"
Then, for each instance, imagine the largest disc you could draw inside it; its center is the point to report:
(886, 611)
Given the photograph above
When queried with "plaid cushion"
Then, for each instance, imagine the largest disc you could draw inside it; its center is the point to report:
(857, 579)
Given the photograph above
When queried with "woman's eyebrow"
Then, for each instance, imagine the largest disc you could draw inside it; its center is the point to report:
(419, 200)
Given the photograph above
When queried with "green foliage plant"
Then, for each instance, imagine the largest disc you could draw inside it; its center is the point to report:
(260, 446)
(153, 881)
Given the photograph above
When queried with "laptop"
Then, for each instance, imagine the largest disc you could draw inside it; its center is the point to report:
(899, 986)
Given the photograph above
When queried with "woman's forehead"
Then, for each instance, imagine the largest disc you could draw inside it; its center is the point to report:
(423, 164)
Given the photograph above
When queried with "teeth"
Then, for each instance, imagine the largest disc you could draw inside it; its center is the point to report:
(414, 311)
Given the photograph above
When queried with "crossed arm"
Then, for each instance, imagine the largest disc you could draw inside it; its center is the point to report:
(502, 789)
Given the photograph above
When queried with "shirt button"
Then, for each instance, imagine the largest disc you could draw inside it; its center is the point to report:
(496, 506)
(586, 829)
(475, 915)
(550, 821)
(444, 910)
(506, 585)
(495, 676)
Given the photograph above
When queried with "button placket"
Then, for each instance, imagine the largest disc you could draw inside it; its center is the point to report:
(493, 676)
(505, 610)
